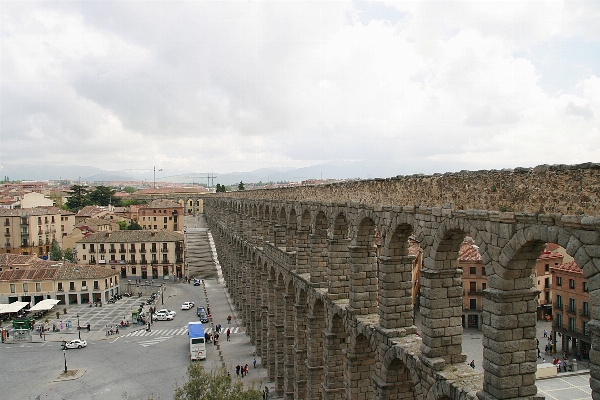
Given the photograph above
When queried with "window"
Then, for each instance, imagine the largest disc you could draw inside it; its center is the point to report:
(84, 257)
(586, 309)
(38, 287)
(71, 285)
(559, 301)
(25, 287)
(83, 246)
(60, 288)
(96, 285)
(571, 304)
(133, 270)
(473, 304)
(165, 220)
(473, 270)
(482, 271)
(12, 287)
(559, 320)
(585, 328)
(155, 218)
(547, 267)
(558, 281)
(83, 285)
(472, 286)
(483, 285)
(547, 283)
(572, 283)
(585, 287)
(572, 324)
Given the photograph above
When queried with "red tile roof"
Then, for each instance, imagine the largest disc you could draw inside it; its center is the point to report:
(568, 267)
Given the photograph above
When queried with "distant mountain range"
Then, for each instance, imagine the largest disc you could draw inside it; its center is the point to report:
(329, 170)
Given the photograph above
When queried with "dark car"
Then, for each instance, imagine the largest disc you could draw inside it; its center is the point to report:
(201, 312)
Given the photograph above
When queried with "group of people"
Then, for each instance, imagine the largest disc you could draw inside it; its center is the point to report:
(243, 370)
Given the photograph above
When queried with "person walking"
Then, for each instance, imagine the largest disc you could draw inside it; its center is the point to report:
(237, 370)
(228, 334)
(229, 319)
(246, 369)
(545, 333)
(254, 362)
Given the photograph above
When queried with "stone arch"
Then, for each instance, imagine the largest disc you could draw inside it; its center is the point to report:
(335, 345)
(289, 301)
(397, 379)
(364, 285)
(291, 230)
(303, 242)
(318, 247)
(301, 343)
(338, 257)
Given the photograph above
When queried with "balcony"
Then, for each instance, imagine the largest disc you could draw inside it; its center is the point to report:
(142, 250)
(558, 307)
(572, 310)
(25, 244)
(7, 234)
(132, 261)
(91, 250)
(6, 223)
(84, 288)
(101, 250)
(132, 250)
(584, 313)
(92, 261)
(165, 261)
(123, 250)
(40, 232)
(179, 260)
(60, 289)
(112, 250)
(24, 222)
(153, 250)
(154, 262)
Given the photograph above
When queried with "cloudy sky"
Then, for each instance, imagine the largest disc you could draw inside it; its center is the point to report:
(239, 85)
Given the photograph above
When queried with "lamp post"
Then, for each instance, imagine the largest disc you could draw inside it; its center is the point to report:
(78, 327)
(65, 356)
(162, 294)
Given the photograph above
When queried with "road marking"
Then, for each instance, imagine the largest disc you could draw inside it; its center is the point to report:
(115, 340)
(154, 341)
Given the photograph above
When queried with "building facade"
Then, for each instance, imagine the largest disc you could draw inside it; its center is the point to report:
(161, 214)
(31, 231)
(572, 309)
(68, 283)
(137, 254)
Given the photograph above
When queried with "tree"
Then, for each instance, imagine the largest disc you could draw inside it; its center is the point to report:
(134, 226)
(241, 186)
(221, 188)
(103, 196)
(55, 251)
(213, 385)
(68, 255)
(129, 189)
(77, 198)
(122, 225)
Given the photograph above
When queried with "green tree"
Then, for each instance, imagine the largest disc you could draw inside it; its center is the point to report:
(214, 385)
(103, 196)
(134, 226)
(221, 188)
(55, 251)
(77, 198)
(241, 186)
(129, 202)
(129, 189)
(68, 255)
(122, 225)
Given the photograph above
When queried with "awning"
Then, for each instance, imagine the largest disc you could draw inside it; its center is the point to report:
(12, 307)
(45, 305)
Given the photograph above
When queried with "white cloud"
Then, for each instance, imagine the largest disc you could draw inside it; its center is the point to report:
(227, 86)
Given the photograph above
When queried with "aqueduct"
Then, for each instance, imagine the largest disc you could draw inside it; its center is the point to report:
(331, 314)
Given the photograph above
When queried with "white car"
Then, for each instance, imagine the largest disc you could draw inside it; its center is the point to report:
(74, 344)
(188, 305)
(164, 310)
(158, 316)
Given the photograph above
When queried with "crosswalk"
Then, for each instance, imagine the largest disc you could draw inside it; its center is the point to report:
(155, 340)
(177, 332)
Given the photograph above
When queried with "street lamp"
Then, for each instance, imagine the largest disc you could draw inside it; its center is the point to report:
(78, 327)
(65, 355)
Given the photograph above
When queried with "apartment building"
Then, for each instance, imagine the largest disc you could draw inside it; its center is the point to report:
(161, 214)
(572, 309)
(68, 283)
(145, 254)
(32, 230)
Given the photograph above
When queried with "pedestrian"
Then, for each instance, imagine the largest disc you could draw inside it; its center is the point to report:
(558, 365)
(266, 392)
(254, 362)
(228, 333)
(545, 333)
(246, 369)
(539, 353)
(472, 364)
(229, 319)
(237, 370)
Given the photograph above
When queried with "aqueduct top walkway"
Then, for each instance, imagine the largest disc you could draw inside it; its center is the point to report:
(322, 278)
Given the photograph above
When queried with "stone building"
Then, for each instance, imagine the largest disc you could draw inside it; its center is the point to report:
(145, 254)
(572, 309)
(474, 282)
(68, 283)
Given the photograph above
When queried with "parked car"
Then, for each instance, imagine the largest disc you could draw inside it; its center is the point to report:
(201, 312)
(188, 305)
(161, 316)
(196, 282)
(74, 344)
(164, 310)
